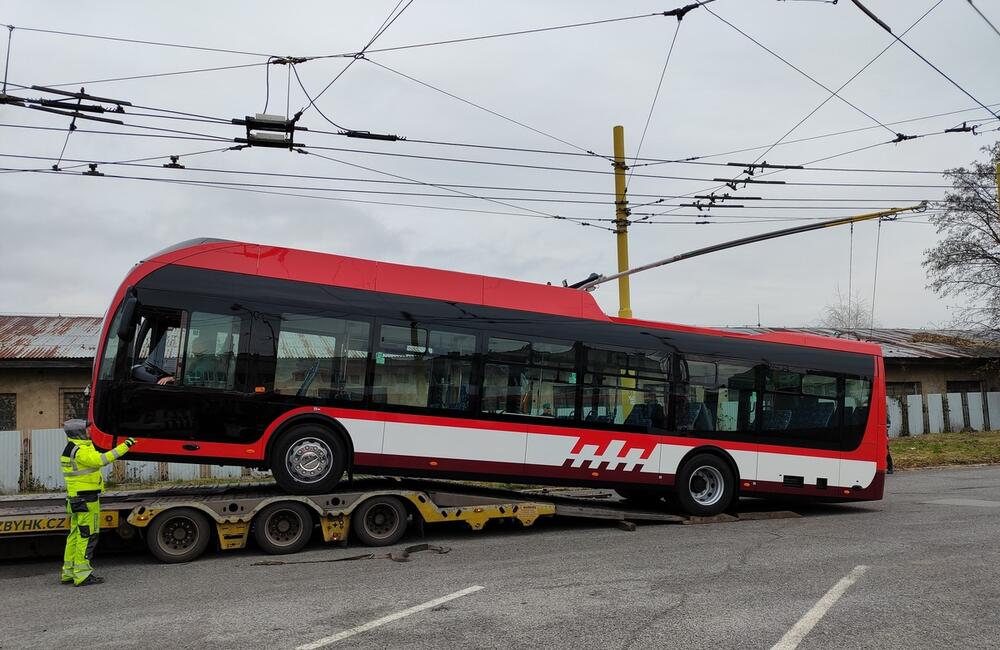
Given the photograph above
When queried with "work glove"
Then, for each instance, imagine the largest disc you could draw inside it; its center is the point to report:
(129, 442)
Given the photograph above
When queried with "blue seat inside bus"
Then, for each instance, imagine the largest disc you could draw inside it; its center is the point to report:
(777, 420)
(813, 416)
(699, 418)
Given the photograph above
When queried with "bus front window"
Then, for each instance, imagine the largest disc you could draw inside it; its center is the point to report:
(111, 345)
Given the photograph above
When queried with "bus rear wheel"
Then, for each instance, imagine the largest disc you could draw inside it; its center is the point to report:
(705, 486)
(308, 459)
(379, 521)
(283, 528)
(179, 535)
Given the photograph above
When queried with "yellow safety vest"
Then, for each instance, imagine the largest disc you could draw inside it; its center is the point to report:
(82, 464)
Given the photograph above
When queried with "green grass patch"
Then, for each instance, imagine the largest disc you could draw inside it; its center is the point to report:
(934, 449)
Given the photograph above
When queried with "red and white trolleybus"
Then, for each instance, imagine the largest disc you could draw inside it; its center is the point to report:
(317, 365)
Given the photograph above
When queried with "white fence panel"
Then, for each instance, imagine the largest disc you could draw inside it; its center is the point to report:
(10, 460)
(46, 448)
(976, 411)
(935, 413)
(956, 419)
(993, 409)
(183, 471)
(915, 414)
(895, 410)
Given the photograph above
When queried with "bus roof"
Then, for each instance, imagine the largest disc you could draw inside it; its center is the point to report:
(453, 286)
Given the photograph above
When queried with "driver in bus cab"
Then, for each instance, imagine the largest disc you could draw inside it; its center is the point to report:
(202, 363)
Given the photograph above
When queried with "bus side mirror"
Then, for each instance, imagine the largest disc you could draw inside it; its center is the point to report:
(128, 315)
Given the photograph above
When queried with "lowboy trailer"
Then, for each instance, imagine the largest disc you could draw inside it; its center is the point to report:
(179, 523)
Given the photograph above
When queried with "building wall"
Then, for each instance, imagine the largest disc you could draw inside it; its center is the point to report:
(39, 394)
(933, 375)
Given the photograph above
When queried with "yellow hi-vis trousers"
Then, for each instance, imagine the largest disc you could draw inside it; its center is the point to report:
(84, 525)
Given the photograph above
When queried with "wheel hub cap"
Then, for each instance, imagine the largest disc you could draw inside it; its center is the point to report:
(309, 460)
(706, 485)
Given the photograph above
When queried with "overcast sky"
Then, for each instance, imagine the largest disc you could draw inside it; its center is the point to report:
(67, 239)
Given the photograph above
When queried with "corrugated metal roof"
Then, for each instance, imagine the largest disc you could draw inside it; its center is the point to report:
(906, 343)
(49, 337)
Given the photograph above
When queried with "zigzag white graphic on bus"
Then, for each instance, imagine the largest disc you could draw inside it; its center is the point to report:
(612, 459)
(601, 453)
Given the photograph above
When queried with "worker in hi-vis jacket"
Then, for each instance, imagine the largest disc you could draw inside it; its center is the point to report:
(81, 467)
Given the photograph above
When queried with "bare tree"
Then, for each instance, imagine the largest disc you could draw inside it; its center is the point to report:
(966, 262)
(847, 312)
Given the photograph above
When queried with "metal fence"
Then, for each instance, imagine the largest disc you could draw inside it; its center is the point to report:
(915, 415)
(10, 466)
(46, 449)
(34, 465)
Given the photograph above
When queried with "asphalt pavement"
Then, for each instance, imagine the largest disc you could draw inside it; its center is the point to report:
(920, 569)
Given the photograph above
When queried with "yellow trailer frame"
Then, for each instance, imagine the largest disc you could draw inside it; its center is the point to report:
(233, 518)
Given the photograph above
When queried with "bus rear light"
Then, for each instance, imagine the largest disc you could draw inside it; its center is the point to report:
(433, 463)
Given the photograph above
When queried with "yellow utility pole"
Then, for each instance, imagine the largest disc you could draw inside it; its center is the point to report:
(621, 224)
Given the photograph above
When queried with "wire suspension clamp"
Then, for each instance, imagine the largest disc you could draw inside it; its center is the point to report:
(270, 131)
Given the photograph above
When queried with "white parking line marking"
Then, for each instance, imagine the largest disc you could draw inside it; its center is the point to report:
(794, 636)
(388, 619)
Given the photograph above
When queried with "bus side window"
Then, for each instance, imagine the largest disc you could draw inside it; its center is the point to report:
(626, 387)
(424, 368)
(857, 397)
(718, 396)
(800, 406)
(530, 378)
(213, 342)
(321, 357)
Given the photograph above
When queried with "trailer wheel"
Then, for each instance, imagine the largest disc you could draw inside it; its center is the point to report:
(179, 535)
(379, 521)
(308, 459)
(705, 486)
(283, 528)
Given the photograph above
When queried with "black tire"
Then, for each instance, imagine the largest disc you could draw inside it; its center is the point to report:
(643, 497)
(308, 459)
(705, 486)
(178, 535)
(379, 521)
(283, 528)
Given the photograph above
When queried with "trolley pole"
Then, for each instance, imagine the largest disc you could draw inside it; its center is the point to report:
(621, 224)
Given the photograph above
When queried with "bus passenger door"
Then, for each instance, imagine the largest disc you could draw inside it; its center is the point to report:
(423, 380)
(188, 378)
